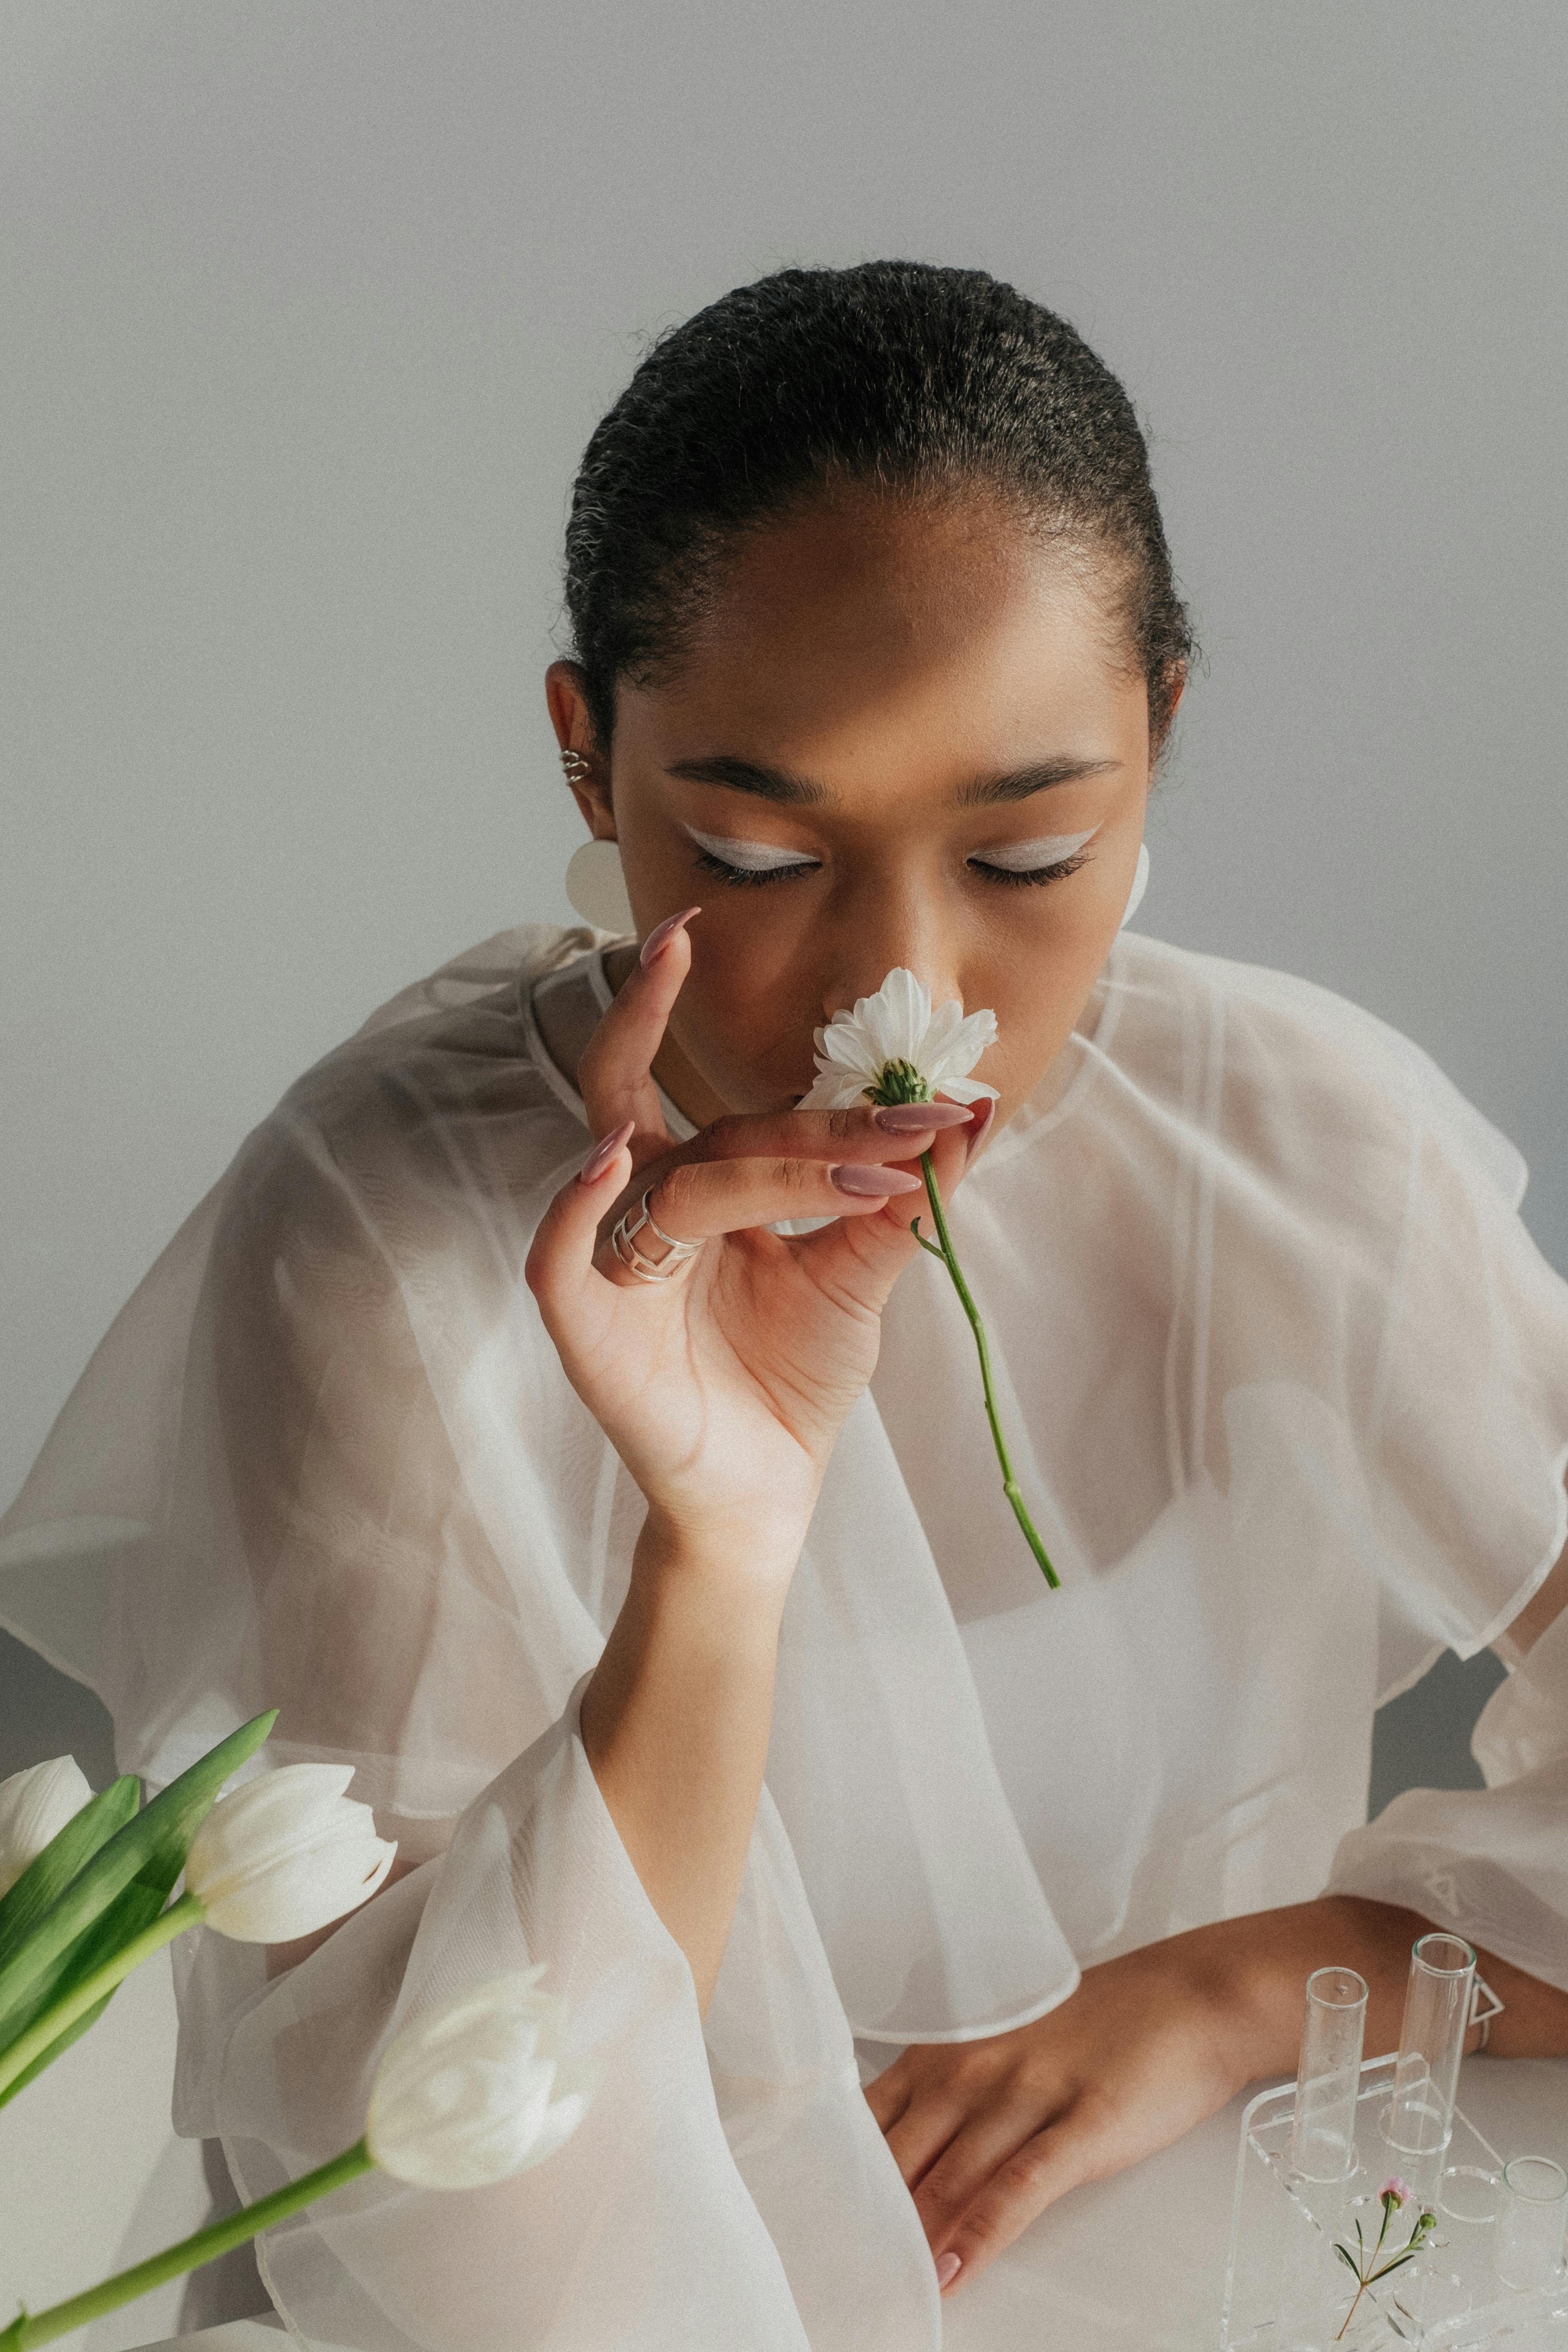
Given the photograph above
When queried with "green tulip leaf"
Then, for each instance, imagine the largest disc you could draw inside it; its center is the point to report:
(46, 2057)
(120, 1890)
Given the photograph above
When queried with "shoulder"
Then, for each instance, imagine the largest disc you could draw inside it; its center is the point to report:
(1287, 1073)
(432, 1120)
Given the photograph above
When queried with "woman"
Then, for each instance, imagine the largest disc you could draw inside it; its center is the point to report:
(664, 1597)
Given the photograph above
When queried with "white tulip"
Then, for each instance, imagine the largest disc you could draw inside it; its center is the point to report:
(35, 1806)
(286, 1853)
(893, 1048)
(475, 2090)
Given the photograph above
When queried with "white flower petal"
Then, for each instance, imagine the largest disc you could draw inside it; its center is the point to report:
(474, 2091)
(846, 1047)
(961, 1050)
(835, 1090)
(35, 1806)
(898, 1024)
(944, 1023)
(896, 1019)
(286, 1853)
(968, 1090)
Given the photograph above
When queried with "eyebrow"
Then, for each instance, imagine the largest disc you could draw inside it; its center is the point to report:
(1021, 783)
(747, 776)
(781, 784)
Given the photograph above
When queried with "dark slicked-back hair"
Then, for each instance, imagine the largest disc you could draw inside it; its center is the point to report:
(892, 375)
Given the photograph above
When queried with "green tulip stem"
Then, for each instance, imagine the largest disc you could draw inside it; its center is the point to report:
(216, 2239)
(949, 1257)
(15, 2060)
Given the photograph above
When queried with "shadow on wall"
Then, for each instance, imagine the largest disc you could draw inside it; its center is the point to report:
(44, 1714)
(1420, 1741)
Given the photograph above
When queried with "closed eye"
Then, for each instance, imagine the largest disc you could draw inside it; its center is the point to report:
(1048, 858)
(747, 861)
(1029, 878)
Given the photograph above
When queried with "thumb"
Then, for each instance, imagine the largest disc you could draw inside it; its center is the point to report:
(862, 1258)
(560, 1264)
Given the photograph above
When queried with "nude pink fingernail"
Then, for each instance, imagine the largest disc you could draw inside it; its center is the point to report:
(852, 1176)
(659, 938)
(947, 2269)
(602, 1154)
(920, 1118)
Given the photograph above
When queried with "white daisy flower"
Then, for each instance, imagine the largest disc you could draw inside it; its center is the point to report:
(892, 1049)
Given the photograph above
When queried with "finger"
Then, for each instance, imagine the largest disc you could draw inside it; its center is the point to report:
(615, 1076)
(558, 1268)
(888, 2095)
(696, 1200)
(896, 1131)
(986, 2137)
(928, 2125)
(1037, 2173)
(863, 1259)
(980, 1127)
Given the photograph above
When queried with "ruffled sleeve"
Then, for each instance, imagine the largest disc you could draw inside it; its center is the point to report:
(1469, 1435)
(1470, 1411)
(329, 1462)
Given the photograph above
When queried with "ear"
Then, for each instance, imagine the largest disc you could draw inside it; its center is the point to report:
(1175, 683)
(568, 703)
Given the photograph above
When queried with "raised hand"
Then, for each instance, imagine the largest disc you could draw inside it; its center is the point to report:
(723, 1387)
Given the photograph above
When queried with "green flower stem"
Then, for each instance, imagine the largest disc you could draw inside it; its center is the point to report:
(1010, 1486)
(1367, 2275)
(186, 1912)
(216, 2239)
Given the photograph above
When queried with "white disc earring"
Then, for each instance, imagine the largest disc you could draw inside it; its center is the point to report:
(1140, 884)
(596, 886)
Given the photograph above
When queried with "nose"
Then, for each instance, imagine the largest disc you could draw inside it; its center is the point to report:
(874, 930)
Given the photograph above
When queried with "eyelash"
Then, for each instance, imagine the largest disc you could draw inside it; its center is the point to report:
(1033, 878)
(746, 876)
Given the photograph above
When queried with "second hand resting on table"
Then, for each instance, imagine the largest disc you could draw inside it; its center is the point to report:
(723, 1390)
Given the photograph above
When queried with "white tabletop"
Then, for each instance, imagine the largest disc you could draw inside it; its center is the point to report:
(1136, 2264)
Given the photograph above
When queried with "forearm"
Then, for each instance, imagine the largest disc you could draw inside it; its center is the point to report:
(676, 1721)
(1255, 1969)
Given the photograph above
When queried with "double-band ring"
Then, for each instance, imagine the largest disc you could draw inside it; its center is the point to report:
(622, 1240)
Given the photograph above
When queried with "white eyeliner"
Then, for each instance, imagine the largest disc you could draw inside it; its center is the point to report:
(751, 857)
(1025, 856)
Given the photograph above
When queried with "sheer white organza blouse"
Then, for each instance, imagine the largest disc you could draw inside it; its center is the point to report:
(1287, 1383)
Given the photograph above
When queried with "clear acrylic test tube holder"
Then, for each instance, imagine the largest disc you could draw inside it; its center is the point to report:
(1450, 2299)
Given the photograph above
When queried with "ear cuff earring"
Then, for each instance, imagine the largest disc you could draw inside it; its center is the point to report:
(595, 885)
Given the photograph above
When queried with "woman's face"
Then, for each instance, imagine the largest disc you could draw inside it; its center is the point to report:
(893, 721)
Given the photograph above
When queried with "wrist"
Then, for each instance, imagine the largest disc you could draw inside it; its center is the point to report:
(732, 1570)
(759, 1546)
(1264, 1961)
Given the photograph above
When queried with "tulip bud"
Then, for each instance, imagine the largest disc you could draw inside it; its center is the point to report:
(286, 1853)
(475, 2090)
(35, 1806)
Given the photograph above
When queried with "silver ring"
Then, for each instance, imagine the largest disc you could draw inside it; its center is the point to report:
(622, 1240)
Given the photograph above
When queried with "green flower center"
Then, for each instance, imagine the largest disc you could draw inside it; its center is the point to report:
(901, 1082)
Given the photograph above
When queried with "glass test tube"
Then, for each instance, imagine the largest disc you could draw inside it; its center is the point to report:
(1529, 2249)
(1419, 2118)
(1328, 2075)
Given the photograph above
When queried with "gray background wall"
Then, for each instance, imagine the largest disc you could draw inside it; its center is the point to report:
(306, 309)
